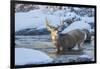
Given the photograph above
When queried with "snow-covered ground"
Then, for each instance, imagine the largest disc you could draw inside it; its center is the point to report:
(25, 56)
(77, 25)
(36, 19)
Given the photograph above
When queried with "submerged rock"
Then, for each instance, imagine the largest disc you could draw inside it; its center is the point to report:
(83, 58)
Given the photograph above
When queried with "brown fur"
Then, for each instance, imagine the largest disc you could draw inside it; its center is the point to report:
(66, 41)
(71, 39)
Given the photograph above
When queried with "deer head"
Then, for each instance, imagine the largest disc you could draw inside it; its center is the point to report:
(55, 31)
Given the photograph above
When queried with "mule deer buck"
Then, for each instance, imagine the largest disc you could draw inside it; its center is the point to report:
(67, 41)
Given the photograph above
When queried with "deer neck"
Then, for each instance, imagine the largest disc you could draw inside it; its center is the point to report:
(54, 38)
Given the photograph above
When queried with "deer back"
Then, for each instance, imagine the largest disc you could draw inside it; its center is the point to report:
(70, 39)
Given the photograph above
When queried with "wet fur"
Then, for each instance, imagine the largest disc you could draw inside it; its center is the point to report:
(70, 40)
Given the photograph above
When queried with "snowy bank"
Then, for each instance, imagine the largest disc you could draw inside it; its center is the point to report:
(77, 25)
(34, 19)
(30, 56)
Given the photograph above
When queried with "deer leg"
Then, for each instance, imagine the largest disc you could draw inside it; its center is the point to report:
(80, 45)
(64, 49)
(76, 47)
(58, 48)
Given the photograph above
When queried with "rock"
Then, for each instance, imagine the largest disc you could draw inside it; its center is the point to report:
(83, 58)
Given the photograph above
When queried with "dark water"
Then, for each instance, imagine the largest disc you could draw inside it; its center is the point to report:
(44, 44)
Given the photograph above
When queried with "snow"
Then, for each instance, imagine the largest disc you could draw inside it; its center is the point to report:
(85, 56)
(36, 19)
(83, 24)
(92, 30)
(59, 13)
(88, 19)
(28, 20)
(77, 25)
(76, 8)
(30, 56)
(71, 14)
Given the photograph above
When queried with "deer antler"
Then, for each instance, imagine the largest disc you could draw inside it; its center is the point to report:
(60, 27)
(48, 26)
(46, 21)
